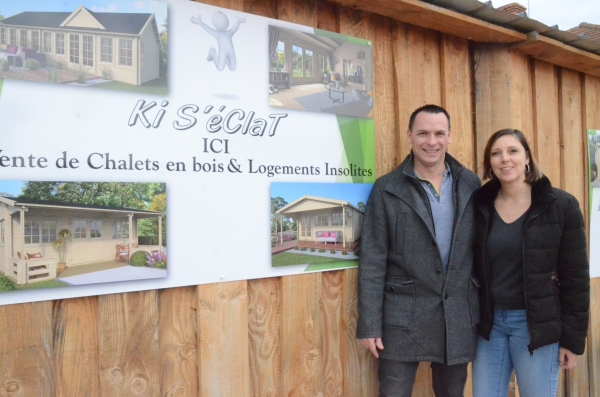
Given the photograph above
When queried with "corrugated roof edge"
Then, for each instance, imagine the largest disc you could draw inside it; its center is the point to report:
(486, 12)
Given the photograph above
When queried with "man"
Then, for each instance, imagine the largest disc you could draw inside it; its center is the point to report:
(417, 300)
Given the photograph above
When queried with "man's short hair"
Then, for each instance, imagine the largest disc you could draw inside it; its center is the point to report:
(433, 109)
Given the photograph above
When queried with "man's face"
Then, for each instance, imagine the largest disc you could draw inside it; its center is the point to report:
(429, 139)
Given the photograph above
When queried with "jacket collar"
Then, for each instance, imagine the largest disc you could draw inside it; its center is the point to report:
(541, 195)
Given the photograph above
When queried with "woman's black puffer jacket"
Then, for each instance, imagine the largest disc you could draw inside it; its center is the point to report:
(555, 266)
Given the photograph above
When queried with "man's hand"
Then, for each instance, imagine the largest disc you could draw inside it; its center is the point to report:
(373, 344)
(566, 358)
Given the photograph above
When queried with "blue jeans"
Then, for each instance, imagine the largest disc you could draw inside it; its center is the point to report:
(506, 350)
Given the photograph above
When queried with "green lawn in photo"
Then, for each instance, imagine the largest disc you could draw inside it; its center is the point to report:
(156, 87)
(7, 284)
(287, 259)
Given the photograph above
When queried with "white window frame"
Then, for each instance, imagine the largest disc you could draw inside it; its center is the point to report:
(78, 235)
(47, 45)
(321, 220)
(1, 231)
(126, 53)
(120, 230)
(87, 53)
(2, 36)
(13, 37)
(40, 236)
(35, 40)
(95, 229)
(21, 31)
(74, 50)
(106, 50)
(59, 39)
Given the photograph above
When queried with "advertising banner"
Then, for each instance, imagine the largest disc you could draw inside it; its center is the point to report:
(594, 210)
(157, 144)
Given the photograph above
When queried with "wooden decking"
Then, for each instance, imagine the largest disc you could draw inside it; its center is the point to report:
(311, 244)
(63, 76)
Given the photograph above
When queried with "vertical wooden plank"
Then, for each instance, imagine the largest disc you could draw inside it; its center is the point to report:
(328, 16)
(547, 123)
(591, 97)
(237, 5)
(178, 341)
(265, 8)
(129, 350)
(301, 335)
(223, 339)
(26, 350)
(360, 378)
(263, 333)
(416, 57)
(457, 97)
(574, 143)
(503, 94)
(299, 11)
(334, 334)
(75, 334)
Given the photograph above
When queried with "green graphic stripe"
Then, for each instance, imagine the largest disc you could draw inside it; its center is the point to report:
(319, 267)
(341, 37)
(358, 138)
(1, 83)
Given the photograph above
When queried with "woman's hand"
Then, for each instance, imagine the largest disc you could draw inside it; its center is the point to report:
(567, 358)
(373, 344)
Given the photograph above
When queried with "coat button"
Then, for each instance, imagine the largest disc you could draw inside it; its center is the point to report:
(446, 296)
(438, 271)
(391, 289)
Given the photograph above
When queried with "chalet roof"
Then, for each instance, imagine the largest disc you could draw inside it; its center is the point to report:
(123, 23)
(513, 8)
(588, 30)
(16, 201)
(324, 200)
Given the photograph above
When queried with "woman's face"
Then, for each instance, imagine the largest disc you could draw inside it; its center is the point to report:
(508, 159)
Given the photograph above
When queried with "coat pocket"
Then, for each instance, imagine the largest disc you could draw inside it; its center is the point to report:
(398, 302)
(400, 230)
(474, 300)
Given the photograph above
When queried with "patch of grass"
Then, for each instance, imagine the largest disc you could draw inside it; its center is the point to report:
(156, 87)
(43, 284)
(287, 259)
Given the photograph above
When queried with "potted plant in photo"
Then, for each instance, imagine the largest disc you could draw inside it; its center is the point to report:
(61, 246)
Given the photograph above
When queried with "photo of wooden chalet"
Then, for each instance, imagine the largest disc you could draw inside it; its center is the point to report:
(29, 228)
(126, 44)
(324, 220)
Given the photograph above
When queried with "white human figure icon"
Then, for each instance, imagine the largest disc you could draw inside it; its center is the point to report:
(226, 54)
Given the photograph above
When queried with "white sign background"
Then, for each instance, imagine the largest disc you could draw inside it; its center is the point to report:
(218, 223)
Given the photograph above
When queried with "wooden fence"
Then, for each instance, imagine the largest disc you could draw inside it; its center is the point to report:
(294, 336)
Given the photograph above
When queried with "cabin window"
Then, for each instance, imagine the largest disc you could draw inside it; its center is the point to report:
(2, 36)
(74, 48)
(297, 61)
(305, 224)
(2, 231)
(79, 229)
(13, 37)
(126, 52)
(106, 52)
(47, 42)
(309, 63)
(321, 220)
(60, 44)
(88, 50)
(40, 231)
(120, 230)
(23, 41)
(95, 229)
(35, 40)
(278, 60)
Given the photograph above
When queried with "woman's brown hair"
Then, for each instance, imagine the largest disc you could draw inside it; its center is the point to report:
(534, 171)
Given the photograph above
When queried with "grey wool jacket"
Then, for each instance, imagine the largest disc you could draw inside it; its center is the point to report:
(404, 296)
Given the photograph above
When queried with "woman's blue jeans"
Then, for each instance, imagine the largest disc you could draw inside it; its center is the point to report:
(537, 375)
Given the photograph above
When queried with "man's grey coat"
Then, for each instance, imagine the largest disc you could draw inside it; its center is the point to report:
(404, 297)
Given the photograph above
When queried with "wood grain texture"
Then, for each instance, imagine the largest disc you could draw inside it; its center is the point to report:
(328, 16)
(26, 365)
(264, 340)
(299, 11)
(75, 336)
(573, 144)
(547, 122)
(360, 378)
(456, 97)
(417, 64)
(178, 341)
(128, 342)
(223, 339)
(334, 334)
(237, 5)
(264, 8)
(302, 335)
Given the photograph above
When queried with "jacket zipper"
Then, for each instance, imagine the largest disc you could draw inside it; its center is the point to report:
(529, 347)
(483, 260)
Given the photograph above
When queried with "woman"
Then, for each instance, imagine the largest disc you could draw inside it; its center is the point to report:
(530, 258)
